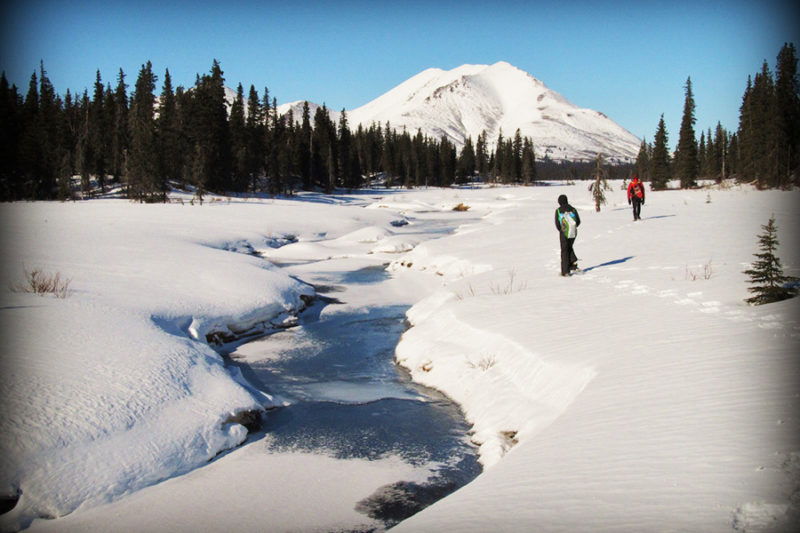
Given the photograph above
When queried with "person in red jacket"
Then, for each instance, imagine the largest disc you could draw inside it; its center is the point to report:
(636, 196)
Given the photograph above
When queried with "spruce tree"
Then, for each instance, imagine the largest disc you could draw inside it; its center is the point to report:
(770, 285)
(387, 154)
(420, 159)
(787, 96)
(746, 131)
(516, 154)
(733, 154)
(719, 154)
(509, 162)
(466, 161)
(701, 155)
(528, 162)
(686, 162)
(642, 164)
(482, 155)
(48, 125)
(98, 138)
(276, 168)
(304, 148)
(758, 131)
(660, 159)
(347, 167)
(170, 155)
(447, 160)
(30, 157)
(83, 158)
(497, 166)
(144, 182)
(10, 118)
(254, 128)
(207, 129)
(238, 142)
(119, 140)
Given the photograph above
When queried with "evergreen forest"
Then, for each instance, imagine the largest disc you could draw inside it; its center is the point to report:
(145, 141)
(764, 150)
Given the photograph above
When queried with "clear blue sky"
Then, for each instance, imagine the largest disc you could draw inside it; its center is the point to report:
(629, 60)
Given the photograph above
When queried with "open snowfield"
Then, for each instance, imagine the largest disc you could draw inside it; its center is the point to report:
(642, 395)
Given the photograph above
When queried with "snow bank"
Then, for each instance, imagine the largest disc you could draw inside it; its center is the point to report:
(115, 387)
(643, 395)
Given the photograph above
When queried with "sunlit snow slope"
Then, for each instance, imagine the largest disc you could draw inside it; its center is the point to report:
(499, 98)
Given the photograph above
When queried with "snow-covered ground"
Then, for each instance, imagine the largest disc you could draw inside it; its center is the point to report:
(642, 395)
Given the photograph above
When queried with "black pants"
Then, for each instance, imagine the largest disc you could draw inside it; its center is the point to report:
(568, 256)
(637, 207)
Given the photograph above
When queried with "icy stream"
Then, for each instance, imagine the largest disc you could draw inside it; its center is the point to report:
(345, 398)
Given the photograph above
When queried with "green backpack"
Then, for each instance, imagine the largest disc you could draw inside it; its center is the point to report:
(569, 226)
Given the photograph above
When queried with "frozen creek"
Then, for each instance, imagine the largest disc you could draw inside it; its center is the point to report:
(344, 396)
(352, 444)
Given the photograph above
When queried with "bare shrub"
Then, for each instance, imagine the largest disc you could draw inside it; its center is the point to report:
(509, 287)
(470, 292)
(706, 274)
(485, 363)
(39, 282)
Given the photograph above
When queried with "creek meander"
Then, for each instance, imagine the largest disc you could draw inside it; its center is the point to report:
(345, 397)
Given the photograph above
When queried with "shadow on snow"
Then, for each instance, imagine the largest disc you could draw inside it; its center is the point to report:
(609, 263)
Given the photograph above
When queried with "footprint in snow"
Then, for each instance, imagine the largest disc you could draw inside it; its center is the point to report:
(710, 307)
(640, 289)
(737, 316)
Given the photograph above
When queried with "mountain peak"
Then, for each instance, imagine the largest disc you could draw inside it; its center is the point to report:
(470, 99)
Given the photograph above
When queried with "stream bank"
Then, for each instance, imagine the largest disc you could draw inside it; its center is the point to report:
(344, 397)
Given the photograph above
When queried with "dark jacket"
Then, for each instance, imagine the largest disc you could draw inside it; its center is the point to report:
(565, 208)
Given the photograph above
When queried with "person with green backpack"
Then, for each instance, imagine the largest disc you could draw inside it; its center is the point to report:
(567, 222)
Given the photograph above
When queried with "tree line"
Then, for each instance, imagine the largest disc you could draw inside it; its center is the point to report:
(764, 150)
(195, 138)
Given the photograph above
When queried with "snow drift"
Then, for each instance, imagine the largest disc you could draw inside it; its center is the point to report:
(116, 387)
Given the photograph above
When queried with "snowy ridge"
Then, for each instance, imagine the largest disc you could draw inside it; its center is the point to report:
(296, 108)
(497, 98)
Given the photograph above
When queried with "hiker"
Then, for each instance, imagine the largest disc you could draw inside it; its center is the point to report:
(636, 196)
(567, 222)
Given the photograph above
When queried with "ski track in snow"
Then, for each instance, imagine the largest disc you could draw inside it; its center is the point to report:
(693, 300)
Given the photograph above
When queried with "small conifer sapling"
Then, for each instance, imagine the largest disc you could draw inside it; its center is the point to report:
(766, 274)
(600, 183)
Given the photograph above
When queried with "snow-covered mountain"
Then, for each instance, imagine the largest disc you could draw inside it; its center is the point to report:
(464, 101)
(296, 108)
(497, 98)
